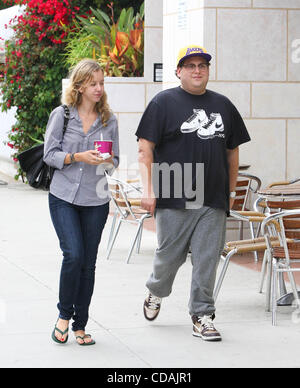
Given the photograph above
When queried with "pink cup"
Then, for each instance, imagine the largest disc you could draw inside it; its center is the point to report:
(103, 146)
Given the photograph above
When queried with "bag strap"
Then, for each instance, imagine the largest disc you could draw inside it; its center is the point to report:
(66, 117)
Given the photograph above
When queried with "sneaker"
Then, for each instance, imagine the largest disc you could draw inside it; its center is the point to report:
(203, 327)
(212, 128)
(194, 122)
(152, 307)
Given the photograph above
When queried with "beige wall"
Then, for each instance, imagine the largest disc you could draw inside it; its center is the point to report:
(129, 97)
(256, 63)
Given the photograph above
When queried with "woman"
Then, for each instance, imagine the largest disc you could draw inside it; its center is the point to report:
(78, 203)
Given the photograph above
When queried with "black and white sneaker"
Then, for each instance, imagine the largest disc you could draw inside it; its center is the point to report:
(203, 327)
(194, 122)
(212, 128)
(152, 307)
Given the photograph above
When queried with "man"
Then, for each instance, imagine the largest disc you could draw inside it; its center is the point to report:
(187, 127)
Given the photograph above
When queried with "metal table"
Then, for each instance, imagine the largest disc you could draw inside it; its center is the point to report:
(283, 191)
(243, 167)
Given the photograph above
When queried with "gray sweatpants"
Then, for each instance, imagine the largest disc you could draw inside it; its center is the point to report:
(177, 230)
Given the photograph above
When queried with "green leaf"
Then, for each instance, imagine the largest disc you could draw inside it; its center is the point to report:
(122, 20)
(101, 15)
(113, 34)
(128, 24)
(142, 10)
(36, 140)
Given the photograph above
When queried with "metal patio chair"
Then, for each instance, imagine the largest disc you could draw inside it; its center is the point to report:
(257, 244)
(232, 248)
(286, 225)
(270, 205)
(132, 186)
(273, 207)
(247, 186)
(127, 201)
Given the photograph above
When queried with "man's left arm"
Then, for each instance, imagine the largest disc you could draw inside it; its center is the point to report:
(233, 168)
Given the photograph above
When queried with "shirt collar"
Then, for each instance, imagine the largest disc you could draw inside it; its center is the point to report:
(75, 115)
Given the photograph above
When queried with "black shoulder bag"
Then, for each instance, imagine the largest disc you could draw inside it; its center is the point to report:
(38, 173)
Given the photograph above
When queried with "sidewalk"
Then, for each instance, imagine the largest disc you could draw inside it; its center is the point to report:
(30, 262)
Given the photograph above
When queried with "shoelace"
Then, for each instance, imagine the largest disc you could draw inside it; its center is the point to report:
(206, 322)
(209, 123)
(154, 302)
(192, 118)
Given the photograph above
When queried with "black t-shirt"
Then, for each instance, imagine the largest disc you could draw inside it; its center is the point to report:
(191, 135)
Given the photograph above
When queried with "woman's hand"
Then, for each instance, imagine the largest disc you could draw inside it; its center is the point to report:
(89, 157)
(92, 157)
(109, 160)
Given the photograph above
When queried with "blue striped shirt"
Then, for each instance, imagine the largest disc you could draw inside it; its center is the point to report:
(78, 183)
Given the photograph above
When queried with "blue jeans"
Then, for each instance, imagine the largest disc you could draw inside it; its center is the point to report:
(79, 230)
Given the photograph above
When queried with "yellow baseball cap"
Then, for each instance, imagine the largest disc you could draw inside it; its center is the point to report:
(192, 51)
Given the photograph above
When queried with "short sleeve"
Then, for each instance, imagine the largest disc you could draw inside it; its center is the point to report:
(238, 131)
(152, 123)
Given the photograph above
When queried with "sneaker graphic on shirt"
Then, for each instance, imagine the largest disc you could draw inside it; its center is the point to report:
(212, 128)
(194, 122)
(206, 127)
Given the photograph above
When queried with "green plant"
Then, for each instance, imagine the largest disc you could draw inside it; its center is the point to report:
(34, 68)
(79, 47)
(6, 4)
(118, 46)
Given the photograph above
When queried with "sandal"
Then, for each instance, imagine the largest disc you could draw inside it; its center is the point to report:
(55, 339)
(85, 343)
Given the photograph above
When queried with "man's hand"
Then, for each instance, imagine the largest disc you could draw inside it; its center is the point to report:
(148, 204)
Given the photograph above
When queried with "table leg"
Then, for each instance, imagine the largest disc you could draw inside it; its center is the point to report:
(269, 281)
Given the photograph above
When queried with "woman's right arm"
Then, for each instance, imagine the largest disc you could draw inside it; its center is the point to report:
(54, 156)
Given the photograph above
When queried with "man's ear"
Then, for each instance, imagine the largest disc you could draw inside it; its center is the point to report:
(177, 72)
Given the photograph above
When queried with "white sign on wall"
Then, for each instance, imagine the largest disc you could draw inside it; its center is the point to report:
(182, 30)
(182, 18)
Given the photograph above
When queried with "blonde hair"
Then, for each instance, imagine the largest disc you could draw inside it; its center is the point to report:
(81, 74)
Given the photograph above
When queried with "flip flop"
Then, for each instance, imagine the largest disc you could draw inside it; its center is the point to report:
(55, 339)
(85, 343)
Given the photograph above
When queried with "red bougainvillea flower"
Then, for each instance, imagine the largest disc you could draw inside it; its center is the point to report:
(43, 14)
